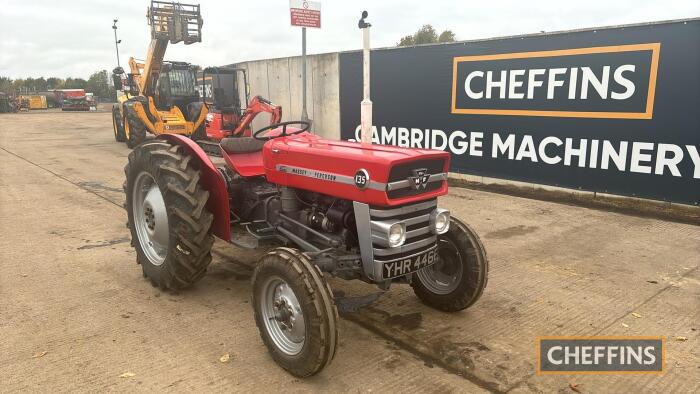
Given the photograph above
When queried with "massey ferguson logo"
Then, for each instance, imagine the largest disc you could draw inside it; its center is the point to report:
(419, 180)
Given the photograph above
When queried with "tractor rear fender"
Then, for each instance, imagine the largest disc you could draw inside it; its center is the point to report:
(212, 181)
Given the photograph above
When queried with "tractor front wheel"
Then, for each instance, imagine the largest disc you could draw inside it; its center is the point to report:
(459, 277)
(295, 312)
(167, 215)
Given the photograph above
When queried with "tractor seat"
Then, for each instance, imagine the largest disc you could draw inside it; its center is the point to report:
(244, 155)
(235, 145)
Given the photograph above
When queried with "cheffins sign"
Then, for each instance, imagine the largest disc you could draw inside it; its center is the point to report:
(613, 110)
(603, 82)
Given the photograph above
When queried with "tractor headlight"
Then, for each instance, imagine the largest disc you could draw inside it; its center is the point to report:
(440, 221)
(397, 234)
(389, 234)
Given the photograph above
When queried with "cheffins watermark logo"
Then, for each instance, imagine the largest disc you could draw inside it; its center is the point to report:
(601, 82)
(570, 355)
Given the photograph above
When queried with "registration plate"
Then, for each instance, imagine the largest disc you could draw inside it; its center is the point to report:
(407, 265)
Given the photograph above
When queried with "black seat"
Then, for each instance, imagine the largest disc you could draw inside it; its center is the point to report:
(241, 144)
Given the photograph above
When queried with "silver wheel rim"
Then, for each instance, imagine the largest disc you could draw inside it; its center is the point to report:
(150, 218)
(283, 317)
(444, 276)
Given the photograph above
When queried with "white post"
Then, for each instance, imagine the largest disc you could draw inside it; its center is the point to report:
(366, 105)
(304, 113)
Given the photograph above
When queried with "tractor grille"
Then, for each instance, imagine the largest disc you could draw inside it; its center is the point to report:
(399, 177)
(418, 235)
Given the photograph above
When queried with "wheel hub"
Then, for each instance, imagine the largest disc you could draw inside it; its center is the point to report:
(444, 276)
(284, 319)
(150, 218)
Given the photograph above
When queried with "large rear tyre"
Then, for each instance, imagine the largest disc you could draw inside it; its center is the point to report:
(137, 130)
(118, 125)
(458, 279)
(295, 312)
(167, 215)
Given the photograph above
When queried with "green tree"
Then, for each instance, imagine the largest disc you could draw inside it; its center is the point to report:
(446, 36)
(5, 85)
(98, 83)
(406, 41)
(54, 83)
(40, 84)
(426, 35)
(74, 83)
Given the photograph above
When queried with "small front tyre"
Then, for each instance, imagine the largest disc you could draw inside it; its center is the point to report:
(295, 312)
(459, 277)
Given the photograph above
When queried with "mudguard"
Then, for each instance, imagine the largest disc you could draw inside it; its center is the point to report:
(212, 181)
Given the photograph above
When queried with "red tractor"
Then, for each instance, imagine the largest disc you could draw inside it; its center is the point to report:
(320, 208)
(227, 118)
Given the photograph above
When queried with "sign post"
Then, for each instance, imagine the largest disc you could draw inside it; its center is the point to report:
(304, 14)
(366, 105)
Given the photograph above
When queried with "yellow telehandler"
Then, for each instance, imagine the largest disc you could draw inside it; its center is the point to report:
(161, 97)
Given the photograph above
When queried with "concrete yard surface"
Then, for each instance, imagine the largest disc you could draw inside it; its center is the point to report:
(76, 314)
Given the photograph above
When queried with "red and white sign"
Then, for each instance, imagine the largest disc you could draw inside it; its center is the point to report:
(305, 13)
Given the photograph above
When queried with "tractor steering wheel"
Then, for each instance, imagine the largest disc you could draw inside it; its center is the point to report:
(284, 133)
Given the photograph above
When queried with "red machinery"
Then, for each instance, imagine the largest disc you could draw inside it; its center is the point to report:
(226, 116)
(72, 99)
(320, 208)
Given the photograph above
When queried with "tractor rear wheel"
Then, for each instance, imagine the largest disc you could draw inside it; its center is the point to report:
(167, 215)
(459, 277)
(118, 125)
(295, 312)
(137, 130)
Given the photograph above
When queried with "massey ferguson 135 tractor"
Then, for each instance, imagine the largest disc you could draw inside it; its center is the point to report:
(320, 208)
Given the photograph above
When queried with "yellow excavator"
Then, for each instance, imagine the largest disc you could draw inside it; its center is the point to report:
(159, 96)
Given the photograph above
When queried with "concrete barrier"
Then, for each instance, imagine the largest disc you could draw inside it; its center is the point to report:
(280, 81)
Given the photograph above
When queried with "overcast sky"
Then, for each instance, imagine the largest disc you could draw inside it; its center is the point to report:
(74, 37)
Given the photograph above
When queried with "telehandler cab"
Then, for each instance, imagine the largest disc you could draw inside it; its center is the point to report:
(162, 96)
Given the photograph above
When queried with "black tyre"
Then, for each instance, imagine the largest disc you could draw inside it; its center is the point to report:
(118, 125)
(295, 312)
(167, 215)
(137, 130)
(200, 133)
(458, 279)
(194, 110)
